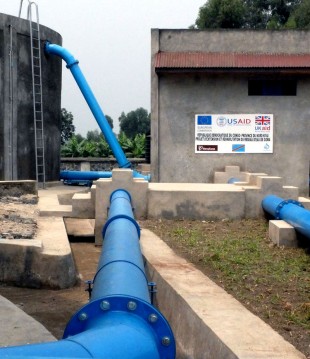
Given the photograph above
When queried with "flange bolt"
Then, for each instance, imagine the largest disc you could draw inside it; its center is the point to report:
(153, 318)
(83, 316)
(165, 341)
(132, 305)
(105, 305)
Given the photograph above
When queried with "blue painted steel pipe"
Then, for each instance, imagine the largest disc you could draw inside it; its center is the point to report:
(233, 180)
(94, 175)
(290, 211)
(72, 64)
(119, 322)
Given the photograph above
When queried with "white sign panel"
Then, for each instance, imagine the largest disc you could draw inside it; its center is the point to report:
(250, 133)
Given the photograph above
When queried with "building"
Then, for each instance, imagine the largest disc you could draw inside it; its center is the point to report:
(229, 77)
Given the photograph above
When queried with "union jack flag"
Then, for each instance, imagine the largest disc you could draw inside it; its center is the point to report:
(262, 120)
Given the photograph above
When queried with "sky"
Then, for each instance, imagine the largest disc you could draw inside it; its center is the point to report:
(112, 41)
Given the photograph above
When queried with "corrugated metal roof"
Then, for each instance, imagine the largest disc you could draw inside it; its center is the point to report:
(201, 60)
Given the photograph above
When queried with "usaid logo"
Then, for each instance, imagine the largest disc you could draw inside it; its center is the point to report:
(221, 121)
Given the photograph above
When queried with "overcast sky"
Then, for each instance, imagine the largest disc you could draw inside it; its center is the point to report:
(111, 39)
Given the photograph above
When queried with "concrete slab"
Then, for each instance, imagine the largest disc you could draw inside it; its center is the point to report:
(207, 322)
(80, 227)
(19, 327)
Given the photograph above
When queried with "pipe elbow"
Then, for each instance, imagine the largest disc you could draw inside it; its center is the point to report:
(53, 49)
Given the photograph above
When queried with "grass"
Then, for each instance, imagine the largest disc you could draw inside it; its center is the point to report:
(272, 282)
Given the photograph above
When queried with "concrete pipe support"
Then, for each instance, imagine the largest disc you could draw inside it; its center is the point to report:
(290, 211)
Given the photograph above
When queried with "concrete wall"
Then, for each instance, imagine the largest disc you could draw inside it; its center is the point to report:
(17, 150)
(177, 97)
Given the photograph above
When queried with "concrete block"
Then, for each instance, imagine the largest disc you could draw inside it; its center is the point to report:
(290, 192)
(305, 202)
(195, 201)
(253, 202)
(43, 261)
(144, 167)
(270, 184)
(79, 227)
(220, 177)
(251, 178)
(232, 170)
(85, 166)
(282, 234)
(83, 206)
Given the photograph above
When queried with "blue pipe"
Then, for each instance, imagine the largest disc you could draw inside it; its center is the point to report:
(72, 64)
(290, 211)
(119, 322)
(94, 175)
(233, 180)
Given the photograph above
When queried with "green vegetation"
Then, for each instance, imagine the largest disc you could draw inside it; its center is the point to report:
(272, 282)
(254, 14)
(98, 146)
(134, 127)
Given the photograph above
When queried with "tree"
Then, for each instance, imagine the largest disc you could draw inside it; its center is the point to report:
(135, 122)
(247, 14)
(67, 127)
(221, 14)
(301, 16)
(94, 136)
(110, 120)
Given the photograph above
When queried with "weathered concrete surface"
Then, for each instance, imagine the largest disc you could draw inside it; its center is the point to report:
(207, 322)
(17, 138)
(78, 227)
(282, 233)
(83, 205)
(195, 201)
(43, 261)
(19, 328)
(18, 188)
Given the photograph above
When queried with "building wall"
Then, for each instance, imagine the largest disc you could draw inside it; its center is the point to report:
(177, 97)
(17, 144)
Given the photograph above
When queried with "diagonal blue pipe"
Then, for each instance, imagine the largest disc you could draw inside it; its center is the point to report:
(119, 322)
(290, 211)
(72, 65)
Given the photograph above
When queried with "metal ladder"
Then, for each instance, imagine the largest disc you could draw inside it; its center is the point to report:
(37, 93)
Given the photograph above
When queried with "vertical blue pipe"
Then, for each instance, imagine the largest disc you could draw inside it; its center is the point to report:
(72, 64)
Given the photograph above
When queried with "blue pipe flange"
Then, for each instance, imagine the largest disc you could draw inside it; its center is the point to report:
(134, 310)
(121, 196)
(283, 203)
(118, 216)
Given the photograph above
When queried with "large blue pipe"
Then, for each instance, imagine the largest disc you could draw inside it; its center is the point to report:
(72, 65)
(119, 322)
(290, 211)
(94, 175)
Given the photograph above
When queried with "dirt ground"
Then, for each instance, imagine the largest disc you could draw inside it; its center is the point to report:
(53, 308)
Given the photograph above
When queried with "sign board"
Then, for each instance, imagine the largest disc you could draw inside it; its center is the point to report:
(245, 133)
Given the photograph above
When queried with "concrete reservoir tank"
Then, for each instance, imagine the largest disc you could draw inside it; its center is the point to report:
(19, 149)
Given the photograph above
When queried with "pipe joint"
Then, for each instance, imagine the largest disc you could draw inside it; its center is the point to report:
(129, 309)
(118, 216)
(282, 204)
